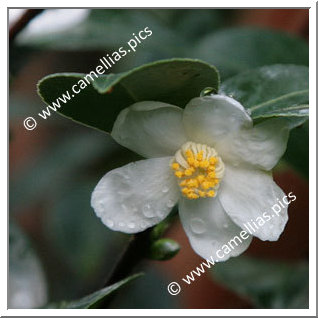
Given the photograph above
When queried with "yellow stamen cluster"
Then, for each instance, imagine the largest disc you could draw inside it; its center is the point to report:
(199, 170)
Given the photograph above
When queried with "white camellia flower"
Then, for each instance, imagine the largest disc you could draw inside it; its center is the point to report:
(209, 158)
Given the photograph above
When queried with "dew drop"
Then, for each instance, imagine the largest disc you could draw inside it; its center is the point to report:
(170, 204)
(197, 226)
(160, 213)
(165, 190)
(101, 206)
(109, 223)
(148, 211)
(143, 224)
(131, 225)
(121, 224)
(208, 91)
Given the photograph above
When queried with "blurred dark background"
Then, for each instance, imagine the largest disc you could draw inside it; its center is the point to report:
(54, 168)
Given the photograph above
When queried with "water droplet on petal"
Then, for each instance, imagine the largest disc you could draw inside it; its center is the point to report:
(143, 224)
(121, 224)
(131, 225)
(170, 204)
(148, 211)
(109, 223)
(165, 190)
(197, 226)
(214, 243)
(161, 213)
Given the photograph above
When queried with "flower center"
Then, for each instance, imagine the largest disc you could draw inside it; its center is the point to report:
(199, 170)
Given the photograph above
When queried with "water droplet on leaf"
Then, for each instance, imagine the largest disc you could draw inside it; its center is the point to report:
(208, 91)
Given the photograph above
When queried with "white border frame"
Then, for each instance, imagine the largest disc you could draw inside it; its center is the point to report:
(312, 162)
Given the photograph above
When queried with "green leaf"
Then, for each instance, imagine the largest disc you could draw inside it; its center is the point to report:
(267, 284)
(297, 153)
(164, 249)
(91, 300)
(173, 81)
(272, 91)
(235, 50)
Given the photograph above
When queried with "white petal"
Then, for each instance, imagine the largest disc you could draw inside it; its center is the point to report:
(151, 129)
(136, 196)
(261, 146)
(209, 119)
(209, 229)
(246, 194)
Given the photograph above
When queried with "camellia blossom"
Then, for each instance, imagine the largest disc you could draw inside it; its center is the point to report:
(208, 158)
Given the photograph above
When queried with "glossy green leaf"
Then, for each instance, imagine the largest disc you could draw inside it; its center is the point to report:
(272, 91)
(173, 81)
(91, 300)
(297, 153)
(235, 50)
(267, 284)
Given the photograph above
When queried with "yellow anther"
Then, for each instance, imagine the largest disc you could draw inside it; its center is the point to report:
(175, 166)
(205, 185)
(191, 161)
(183, 183)
(211, 194)
(204, 164)
(196, 163)
(192, 183)
(212, 175)
(192, 195)
(189, 153)
(202, 194)
(199, 169)
(213, 160)
(179, 174)
(188, 172)
(200, 155)
(200, 178)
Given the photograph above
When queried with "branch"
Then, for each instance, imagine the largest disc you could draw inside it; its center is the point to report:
(136, 250)
(24, 20)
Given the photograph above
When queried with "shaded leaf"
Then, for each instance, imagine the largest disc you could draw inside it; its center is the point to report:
(235, 50)
(297, 153)
(91, 300)
(267, 284)
(272, 91)
(173, 81)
